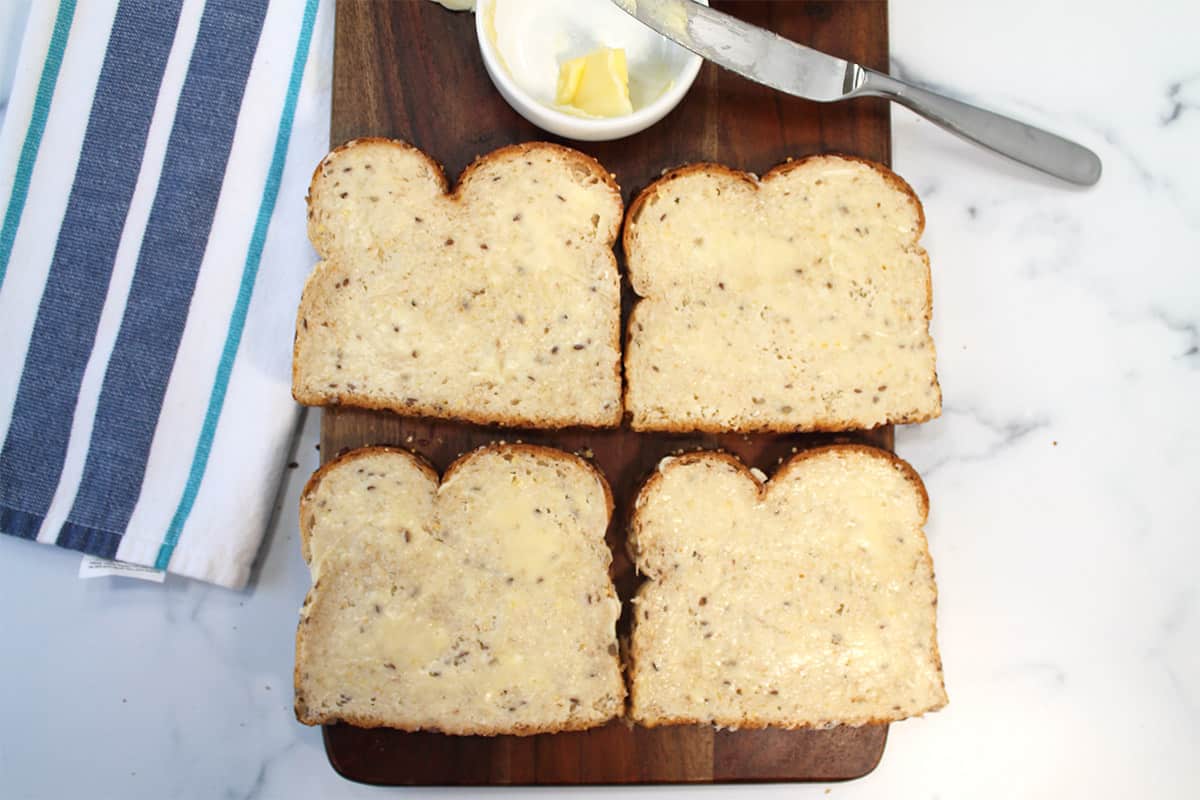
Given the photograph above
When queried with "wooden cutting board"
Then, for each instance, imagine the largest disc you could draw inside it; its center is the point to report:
(412, 70)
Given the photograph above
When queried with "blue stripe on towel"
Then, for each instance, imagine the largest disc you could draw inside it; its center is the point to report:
(168, 264)
(20, 523)
(64, 332)
(237, 322)
(33, 135)
(89, 540)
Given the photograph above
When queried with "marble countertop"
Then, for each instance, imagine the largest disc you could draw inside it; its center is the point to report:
(1064, 476)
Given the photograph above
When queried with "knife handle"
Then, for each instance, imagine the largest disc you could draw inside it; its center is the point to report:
(1008, 137)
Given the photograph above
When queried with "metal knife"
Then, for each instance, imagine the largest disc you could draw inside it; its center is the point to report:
(770, 59)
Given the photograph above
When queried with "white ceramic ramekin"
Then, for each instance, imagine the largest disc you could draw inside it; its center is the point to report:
(568, 125)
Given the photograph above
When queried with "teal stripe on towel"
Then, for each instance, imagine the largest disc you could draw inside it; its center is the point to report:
(237, 321)
(33, 136)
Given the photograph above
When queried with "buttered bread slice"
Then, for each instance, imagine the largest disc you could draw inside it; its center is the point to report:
(797, 302)
(480, 605)
(805, 601)
(496, 303)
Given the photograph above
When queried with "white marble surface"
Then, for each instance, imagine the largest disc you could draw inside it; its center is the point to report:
(1064, 475)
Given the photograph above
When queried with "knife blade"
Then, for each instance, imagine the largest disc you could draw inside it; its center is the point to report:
(748, 50)
(770, 59)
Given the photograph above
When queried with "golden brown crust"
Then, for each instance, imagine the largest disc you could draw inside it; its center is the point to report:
(763, 487)
(820, 426)
(428, 410)
(466, 730)
(301, 708)
(749, 724)
(779, 170)
(929, 319)
(417, 409)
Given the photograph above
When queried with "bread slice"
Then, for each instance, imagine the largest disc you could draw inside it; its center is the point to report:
(482, 605)
(498, 302)
(798, 302)
(805, 602)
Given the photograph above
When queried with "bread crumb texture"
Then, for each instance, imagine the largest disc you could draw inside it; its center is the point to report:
(806, 602)
(499, 302)
(798, 302)
(482, 605)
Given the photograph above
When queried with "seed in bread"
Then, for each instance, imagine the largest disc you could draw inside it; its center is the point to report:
(482, 605)
(499, 302)
(804, 602)
(798, 302)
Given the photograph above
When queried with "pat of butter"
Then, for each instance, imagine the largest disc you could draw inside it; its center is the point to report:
(596, 84)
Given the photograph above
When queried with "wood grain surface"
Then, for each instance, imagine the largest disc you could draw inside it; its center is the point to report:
(411, 70)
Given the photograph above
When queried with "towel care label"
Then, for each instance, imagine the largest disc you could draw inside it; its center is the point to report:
(96, 567)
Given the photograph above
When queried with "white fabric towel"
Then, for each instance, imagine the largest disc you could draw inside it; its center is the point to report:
(153, 165)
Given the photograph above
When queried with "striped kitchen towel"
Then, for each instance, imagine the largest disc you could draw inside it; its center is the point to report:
(153, 165)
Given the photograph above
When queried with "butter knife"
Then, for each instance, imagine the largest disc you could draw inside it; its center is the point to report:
(780, 63)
